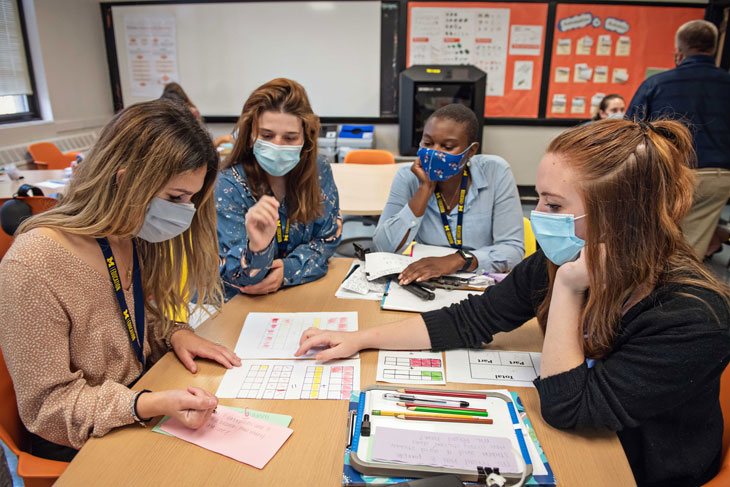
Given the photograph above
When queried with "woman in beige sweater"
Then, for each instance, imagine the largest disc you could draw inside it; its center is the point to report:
(87, 288)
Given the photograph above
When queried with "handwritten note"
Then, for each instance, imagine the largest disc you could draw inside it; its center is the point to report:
(445, 450)
(232, 434)
(379, 264)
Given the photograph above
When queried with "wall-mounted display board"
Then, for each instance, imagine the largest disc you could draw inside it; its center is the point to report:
(602, 49)
(505, 40)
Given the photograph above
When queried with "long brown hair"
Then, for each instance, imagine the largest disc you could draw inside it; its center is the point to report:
(153, 142)
(636, 183)
(303, 197)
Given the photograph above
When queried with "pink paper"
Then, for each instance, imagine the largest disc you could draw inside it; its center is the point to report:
(235, 435)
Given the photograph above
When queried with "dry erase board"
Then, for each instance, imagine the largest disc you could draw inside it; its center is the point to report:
(505, 40)
(220, 52)
(602, 49)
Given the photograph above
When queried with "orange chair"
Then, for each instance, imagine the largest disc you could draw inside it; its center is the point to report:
(38, 204)
(34, 471)
(369, 156)
(722, 479)
(47, 154)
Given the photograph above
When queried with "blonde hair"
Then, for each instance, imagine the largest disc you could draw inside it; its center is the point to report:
(636, 184)
(152, 142)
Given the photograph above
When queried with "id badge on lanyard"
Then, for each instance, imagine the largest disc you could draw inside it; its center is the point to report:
(456, 244)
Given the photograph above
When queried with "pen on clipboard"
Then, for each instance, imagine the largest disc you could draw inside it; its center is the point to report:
(407, 398)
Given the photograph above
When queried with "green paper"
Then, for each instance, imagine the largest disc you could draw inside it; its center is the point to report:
(278, 419)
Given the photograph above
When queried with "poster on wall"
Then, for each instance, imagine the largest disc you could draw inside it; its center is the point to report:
(505, 40)
(151, 53)
(604, 49)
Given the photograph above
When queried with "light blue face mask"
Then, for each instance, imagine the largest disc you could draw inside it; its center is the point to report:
(276, 160)
(439, 165)
(556, 235)
(165, 220)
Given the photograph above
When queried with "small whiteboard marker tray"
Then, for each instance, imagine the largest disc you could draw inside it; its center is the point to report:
(505, 427)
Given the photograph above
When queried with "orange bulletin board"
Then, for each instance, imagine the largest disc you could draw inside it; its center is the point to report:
(602, 49)
(505, 40)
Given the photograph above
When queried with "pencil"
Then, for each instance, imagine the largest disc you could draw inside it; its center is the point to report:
(448, 420)
(450, 411)
(472, 395)
(377, 412)
(436, 406)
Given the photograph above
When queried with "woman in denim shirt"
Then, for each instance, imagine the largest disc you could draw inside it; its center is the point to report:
(278, 210)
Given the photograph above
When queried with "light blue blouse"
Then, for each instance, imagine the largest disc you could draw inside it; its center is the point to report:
(310, 245)
(492, 228)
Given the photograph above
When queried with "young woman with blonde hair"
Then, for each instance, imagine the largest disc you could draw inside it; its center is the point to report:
(85, 287)
(278, 210)
(636, 329)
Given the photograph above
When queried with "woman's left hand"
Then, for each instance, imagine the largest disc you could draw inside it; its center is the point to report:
(574, 275)
(188, 345)
(272, 281)
(428, 267)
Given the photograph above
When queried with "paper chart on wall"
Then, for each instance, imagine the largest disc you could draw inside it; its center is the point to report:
(477, 36)
(498, 367)
(276, 335)
(413, 367)
(291, 379)
(151, 53)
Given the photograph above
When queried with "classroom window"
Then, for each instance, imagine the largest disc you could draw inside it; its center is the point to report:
(17, 99)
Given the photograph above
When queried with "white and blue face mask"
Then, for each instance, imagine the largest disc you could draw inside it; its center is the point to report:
(440, 166)
(556, 235)
(165, 220)
(276, 160)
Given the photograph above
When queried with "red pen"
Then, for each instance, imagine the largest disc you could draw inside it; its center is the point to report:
(472, 395)
(435, 406)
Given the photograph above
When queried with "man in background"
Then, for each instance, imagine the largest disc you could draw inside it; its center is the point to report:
(698, 92)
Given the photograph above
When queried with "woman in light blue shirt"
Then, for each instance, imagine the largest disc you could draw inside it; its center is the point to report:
(449, 183)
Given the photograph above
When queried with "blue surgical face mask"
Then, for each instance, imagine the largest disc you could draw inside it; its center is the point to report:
(276, 160)
(556, 235)
(165, 220)
(616, 115)
(440, 166)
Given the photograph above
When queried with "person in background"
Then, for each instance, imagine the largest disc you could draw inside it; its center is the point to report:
(453, 197)
(612, 106)
(174, 92)
(85, 288)
(698, 92)
(637, 330)
(278, 209)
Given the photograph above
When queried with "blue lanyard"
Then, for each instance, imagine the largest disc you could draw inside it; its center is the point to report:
(460, 217)
(282, 240)
(136, 336)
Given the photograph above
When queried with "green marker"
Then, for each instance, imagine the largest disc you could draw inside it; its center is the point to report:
(447, 411)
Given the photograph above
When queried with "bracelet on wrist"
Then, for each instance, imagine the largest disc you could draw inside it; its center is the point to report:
(135, 414)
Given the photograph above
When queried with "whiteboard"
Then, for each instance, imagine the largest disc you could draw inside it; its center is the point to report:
(226, 50)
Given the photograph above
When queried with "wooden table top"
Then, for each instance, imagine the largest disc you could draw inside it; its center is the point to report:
(363, 188)
(8, 187)
(313, 455)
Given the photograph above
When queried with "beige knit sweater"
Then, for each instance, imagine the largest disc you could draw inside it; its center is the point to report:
(65, 343)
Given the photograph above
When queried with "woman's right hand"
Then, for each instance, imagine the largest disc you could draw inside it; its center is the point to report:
(336, 344)
(192, 407)
(423, 179)
(261, 221)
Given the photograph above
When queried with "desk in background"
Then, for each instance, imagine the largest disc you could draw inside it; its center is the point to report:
(8, 187)
(313, 455)
(363, 188)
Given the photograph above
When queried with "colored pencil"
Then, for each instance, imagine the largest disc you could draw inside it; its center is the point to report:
(418, 405)
(448, 420)
(472, 395)
(377, 412)
(450, 411)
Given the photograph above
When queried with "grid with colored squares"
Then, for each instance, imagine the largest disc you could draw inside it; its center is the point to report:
(276, 334)
(408, 374)
(273, 388)
(336, 385)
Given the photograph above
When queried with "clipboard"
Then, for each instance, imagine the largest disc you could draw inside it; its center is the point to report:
(502, 410)
(398, 299)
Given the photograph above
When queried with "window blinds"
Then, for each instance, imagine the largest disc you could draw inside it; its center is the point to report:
(14, 79)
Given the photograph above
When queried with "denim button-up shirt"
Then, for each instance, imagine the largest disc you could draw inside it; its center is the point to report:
(699, 92)
(492, 229)
(310, 244)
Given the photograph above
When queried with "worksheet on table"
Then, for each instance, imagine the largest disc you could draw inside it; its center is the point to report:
(498, 367)
(410, 367)
(276, 335)
(291, 379)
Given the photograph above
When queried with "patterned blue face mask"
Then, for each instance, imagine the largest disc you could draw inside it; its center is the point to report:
(276, 160)
(556, 235)
(440, 166)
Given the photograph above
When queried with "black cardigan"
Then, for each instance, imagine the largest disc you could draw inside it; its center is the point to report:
(658, 387)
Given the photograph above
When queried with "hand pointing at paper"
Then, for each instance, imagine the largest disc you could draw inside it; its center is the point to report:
(191, 407)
